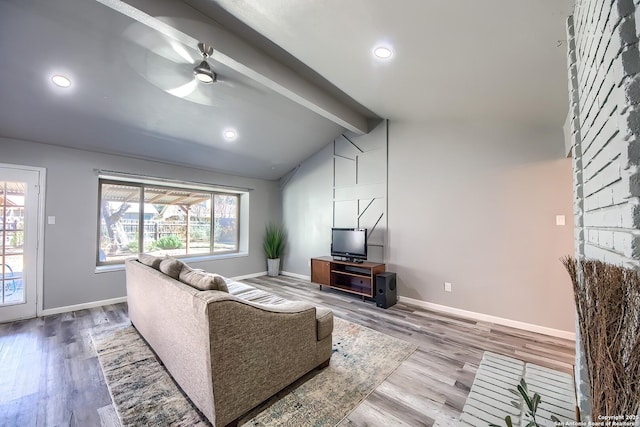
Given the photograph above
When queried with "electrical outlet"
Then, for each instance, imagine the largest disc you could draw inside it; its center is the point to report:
(447, 287)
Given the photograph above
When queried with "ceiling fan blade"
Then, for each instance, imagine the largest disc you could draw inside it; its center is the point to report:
(157, 68)
(200, 96)
(184, 90)
(160, 44)
(181, 50)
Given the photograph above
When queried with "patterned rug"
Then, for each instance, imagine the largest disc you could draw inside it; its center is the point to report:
(144, 393)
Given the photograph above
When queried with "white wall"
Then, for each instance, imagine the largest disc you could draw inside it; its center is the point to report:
(476, 206)
(307, 211)
(333, 188)
(604, 78)
(472, 205)
(72, 196)
(605, 129)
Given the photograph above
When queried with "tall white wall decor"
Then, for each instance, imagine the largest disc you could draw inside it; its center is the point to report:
(360, 186)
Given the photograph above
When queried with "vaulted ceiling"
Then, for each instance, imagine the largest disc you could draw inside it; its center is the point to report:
(293, 75)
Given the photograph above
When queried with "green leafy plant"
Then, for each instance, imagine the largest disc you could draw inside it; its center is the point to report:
(133, 246)
(150, 246)
(532, 406)
(169, 242)
(274, 241)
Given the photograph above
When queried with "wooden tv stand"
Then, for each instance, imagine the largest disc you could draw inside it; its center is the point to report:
(347, 276)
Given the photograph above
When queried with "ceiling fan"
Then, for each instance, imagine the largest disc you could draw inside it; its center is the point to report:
(184, 70)
(203, 71)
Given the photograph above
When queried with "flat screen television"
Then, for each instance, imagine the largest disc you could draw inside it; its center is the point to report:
(349, 243)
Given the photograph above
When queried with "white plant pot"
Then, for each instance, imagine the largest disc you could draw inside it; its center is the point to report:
(273, 267)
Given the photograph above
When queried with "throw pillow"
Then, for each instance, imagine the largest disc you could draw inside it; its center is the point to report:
(150, 260)
(202, 281)
(220, 282)
(171, 267)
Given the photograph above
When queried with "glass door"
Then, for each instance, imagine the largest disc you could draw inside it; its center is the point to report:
(18, 243)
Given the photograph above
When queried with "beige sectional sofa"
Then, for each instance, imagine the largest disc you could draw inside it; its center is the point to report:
(229, 347)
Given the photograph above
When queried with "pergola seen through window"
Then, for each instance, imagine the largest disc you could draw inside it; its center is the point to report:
(142, 218)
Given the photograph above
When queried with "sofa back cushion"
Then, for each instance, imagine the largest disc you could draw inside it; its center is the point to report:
(171, 267)
(202, 280)
(150, 260)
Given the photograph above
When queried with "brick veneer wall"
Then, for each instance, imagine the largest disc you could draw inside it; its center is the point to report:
(604, 92)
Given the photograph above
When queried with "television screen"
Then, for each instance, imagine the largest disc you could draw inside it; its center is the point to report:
(349, 243)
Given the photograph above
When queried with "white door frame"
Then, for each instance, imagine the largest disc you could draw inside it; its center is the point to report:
(42, 172)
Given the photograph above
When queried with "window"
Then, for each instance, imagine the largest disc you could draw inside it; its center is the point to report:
(164, 220)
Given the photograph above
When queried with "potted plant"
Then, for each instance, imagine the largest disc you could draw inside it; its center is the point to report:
(274, 243)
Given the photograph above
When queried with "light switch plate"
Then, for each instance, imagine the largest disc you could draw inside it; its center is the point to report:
(51, 220)
(559, 219)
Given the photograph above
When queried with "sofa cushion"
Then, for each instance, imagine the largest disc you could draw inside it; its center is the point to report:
(220, 282)
(171, 267)
(202, 280)
(236, 288)
(150, 260)
(249, 293)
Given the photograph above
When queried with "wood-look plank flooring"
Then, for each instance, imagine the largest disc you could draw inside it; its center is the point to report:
(50, 376)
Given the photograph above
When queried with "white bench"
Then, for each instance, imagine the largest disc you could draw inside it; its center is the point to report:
(489, 399)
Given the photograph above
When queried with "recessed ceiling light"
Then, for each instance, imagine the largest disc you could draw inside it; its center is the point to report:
(61, 81)
(230, 134)
(383, 52)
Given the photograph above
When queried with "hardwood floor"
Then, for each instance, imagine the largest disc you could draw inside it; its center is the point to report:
(50, 376)
(433, 383)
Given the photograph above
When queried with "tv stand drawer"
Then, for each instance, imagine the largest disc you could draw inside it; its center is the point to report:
(320, 271)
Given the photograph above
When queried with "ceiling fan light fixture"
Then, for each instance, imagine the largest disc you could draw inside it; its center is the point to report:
(204, 73)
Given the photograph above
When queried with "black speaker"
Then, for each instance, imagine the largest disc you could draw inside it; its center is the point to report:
(386, 293)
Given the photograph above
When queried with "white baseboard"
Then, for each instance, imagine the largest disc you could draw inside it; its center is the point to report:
(68, 308)
(491, 319)
(249, 276)
(295, 275)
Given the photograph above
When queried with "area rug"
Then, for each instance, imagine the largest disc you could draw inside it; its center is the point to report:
(144, 393)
